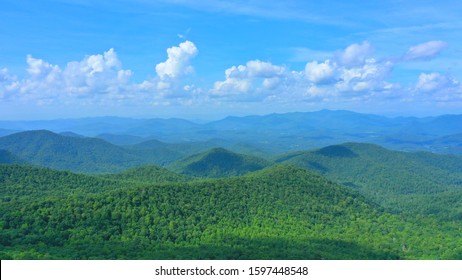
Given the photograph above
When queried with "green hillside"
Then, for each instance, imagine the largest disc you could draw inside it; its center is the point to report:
(281, 212)
(27, 182)
(89, 155)
(218, 162)
(400, 181)
(149, 174)
(8, 158)
(161, 153)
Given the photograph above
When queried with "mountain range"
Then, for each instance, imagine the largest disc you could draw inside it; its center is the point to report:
(270, 134)
(321, 185)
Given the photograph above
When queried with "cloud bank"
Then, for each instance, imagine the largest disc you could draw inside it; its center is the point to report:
(353, 74)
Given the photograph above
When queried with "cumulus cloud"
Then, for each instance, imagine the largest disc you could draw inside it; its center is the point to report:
(437, 83)
(350, 74)
(261, 69)
(255, 74)
(96, 74)
(320, 72)
(426, 50)
(177, 63)
(371, 76)
(99, 74)
(98, 78)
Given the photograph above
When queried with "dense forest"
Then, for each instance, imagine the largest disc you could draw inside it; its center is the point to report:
(281, 212)
(218, 162)
(348, 201)
(417, 182)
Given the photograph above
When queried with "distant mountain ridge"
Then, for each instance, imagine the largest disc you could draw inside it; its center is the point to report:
(273, 133)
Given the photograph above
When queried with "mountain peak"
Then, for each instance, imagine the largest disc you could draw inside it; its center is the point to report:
(218, 162)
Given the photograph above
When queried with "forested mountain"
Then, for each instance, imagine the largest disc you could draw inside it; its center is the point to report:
(400, 181)
(29, 182)
(88, 155)
(166, 153)
(93, 155)
(8, 158)
(218, 162)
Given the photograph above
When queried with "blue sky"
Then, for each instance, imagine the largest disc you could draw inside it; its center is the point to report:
(180, 58)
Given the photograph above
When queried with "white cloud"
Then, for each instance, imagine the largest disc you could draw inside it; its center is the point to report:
(355, 54)
(8, 83)
(371, 76)
(320, 72)
(40, 69)
(100, 74)
(175, 67)
(253, 76)
(438, 84)
(426, 50)
(177, 63)
(351, 75)
(96, 74)
(356, 76)
(232, 86)
(261, 69)
(99, 78)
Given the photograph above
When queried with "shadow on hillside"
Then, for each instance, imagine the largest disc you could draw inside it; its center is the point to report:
(231, 249)
(336, 152)
(278, 249)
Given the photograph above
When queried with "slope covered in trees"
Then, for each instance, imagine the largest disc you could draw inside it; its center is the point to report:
(149, 174)
(29, 182)
(93, 155)
(88, 155)
(281, 212)
(400, 181)
(218, 162)
(8, 158)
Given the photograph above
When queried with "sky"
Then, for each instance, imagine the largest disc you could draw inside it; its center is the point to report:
(211, 58)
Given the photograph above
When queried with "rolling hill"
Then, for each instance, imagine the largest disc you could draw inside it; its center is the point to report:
(30, 182)
(400, 181)
(60, 152)
(281, 212)
(93, 155)
(218, 162)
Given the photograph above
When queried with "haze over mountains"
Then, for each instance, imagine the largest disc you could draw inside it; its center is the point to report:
(270, 134)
